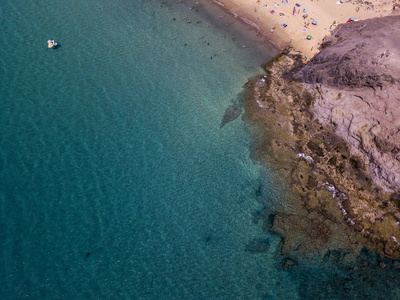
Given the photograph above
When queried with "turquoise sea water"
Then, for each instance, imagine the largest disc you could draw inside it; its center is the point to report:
(116, 178)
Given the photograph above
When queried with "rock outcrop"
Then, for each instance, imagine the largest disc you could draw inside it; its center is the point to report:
(357, 75)
(333, 126)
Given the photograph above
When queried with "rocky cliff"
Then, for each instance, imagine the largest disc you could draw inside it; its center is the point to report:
(333, 127)
(357, 75)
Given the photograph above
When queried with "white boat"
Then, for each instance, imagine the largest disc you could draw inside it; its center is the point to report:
(51, 44)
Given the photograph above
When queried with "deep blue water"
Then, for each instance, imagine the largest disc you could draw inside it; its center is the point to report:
(116, 178)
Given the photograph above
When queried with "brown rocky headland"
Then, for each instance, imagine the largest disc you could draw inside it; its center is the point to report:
(333, 127)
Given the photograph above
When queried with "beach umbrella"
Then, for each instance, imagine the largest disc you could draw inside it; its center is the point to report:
(304, 10)
(308, 37)
(314, 22)
(352, 18)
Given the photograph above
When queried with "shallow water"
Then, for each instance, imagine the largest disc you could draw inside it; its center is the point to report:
(117, 180)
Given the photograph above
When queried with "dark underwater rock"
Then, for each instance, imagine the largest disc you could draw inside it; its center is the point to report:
(288, 263)
(258, 246)
(231, 114)
(233, 111)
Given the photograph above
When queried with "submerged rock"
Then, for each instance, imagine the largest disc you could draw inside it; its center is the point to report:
(233, 111)
(258, 246)
(287, 264)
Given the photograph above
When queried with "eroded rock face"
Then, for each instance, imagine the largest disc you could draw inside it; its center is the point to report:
(319, 136)
(357, 76)
(315, 218)
(357, 55)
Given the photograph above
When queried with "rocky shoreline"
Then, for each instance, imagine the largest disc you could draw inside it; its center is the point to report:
(319, 124)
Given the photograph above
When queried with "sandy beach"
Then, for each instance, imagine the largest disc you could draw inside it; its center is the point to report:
(303, 24)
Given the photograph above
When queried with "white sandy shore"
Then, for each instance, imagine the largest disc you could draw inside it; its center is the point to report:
(299, 24)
